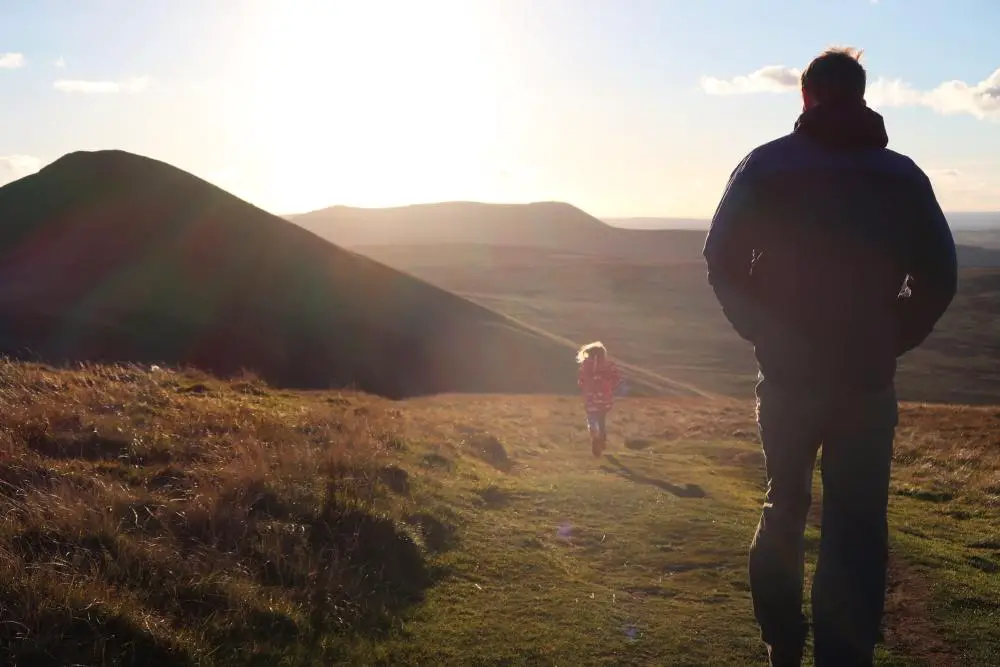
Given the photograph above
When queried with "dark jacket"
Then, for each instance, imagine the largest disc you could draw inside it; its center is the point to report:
(811, 247)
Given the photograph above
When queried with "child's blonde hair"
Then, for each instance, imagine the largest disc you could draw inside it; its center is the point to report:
(585, 351)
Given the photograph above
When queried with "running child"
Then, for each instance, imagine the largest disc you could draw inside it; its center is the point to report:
(598, 377)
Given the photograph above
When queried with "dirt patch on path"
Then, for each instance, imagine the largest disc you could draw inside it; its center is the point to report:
(907, 626)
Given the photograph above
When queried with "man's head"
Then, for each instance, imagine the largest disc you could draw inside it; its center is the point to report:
(836, 75)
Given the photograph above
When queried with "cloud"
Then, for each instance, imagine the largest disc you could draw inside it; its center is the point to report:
(769, 79)
(11, 60)
(980, 100)
(60, 63)
(88, 87)
(13, 167)
(892, 93)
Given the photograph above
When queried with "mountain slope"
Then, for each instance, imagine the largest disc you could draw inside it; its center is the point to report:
(116, 257)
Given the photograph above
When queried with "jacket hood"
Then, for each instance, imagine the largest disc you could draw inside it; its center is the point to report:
(848, 127)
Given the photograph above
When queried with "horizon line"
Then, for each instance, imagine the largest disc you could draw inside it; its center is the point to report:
(553, 202)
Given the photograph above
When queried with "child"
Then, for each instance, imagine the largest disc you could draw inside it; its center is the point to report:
(598, 377)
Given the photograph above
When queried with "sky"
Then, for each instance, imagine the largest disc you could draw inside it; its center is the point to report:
(622, 107)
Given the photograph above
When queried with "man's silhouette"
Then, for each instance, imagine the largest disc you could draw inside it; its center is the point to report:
(810, 254)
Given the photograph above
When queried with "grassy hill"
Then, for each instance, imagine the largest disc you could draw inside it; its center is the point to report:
(548, 225)
(974, 226)
(109, 256)
(459, 222)
(659, 223)
(988, 237)
(664, 317)
(173, 519)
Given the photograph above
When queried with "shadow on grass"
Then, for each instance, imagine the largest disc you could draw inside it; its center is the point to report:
(488, 448)
(619, 468)
(75, 634)
(91, 447)
(345, 568)
(638, 444)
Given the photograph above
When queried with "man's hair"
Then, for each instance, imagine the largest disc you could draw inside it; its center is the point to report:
(835, 75)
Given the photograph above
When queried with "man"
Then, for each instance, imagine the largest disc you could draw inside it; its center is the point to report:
(830, 254)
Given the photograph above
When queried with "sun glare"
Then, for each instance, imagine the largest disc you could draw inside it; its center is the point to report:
(376, 103)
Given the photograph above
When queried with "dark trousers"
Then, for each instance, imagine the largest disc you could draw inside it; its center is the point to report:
(848, 596)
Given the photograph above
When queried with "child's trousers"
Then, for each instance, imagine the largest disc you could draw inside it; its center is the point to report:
(597, 423)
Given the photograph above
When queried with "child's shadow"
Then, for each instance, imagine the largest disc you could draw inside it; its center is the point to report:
(686, 491)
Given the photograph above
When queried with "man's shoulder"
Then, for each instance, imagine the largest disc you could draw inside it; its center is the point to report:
(773, 155)
(792, 152)
(776, 148)
(900, 164)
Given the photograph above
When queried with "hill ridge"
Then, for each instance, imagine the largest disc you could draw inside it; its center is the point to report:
(112, 256)
(551, 225)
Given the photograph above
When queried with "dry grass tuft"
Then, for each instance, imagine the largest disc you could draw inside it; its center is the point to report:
(950, 451)
(170, 518)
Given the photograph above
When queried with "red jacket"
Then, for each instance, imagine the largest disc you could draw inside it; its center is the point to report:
(598, 379)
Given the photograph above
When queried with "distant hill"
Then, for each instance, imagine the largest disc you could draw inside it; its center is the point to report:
(982, 238)
(658, 223)
(109, 256)
(550, 226)
(976, 256)
(959, 221)
(975, 221)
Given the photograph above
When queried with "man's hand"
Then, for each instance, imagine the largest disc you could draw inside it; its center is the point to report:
(932, 269)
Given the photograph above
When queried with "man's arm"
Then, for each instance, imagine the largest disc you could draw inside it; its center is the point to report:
(932, 267)
(729, 250)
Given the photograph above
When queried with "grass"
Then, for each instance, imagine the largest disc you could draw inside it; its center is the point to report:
(946, 511)
(170, 518)
(607, 562)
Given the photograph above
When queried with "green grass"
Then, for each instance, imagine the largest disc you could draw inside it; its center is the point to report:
(638, 558)
(175, 519)
(945, 510)
(565, 558)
